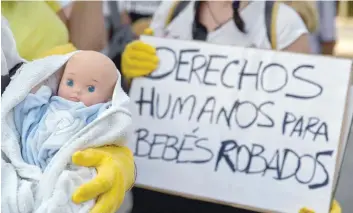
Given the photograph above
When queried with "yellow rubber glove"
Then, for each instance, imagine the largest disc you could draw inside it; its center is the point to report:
(306, 210)
(336, 208)
(139, 58)
(139, 26)
(115, 175)
(148, 31)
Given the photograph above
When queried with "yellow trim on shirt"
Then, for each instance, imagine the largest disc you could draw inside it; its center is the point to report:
(171, 12)
(274, 25)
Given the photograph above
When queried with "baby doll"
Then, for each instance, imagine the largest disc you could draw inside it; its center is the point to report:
(47, 119)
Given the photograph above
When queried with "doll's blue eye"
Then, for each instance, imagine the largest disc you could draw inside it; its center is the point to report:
(91, 89)
(70, 83)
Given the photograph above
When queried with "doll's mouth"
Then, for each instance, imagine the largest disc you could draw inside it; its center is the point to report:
(74, 99)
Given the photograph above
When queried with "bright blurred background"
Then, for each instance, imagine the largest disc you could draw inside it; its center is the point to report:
(344, 24)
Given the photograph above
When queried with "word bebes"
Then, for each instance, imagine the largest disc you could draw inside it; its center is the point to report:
(248, 158)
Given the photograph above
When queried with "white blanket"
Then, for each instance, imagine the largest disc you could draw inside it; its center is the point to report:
(24, 187)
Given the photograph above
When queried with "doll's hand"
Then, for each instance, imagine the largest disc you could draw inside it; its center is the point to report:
(139, 59)
(115, 175)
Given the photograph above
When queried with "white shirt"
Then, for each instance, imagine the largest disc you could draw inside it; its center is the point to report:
(289, 26)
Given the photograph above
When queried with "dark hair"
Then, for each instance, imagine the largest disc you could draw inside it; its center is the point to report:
(236, 17)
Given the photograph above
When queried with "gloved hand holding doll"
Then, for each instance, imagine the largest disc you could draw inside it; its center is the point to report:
(57, 112)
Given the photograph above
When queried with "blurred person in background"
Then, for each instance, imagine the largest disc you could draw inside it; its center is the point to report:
(137, 14)
(125, 21)
(218, 22)
(224, 22)
(42, 28)
(324, 39)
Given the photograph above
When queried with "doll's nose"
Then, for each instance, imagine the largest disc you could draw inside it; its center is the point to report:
(77, 90)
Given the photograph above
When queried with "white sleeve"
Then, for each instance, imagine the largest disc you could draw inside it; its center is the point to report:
(9, 54)
(159, 18)
(290, 26)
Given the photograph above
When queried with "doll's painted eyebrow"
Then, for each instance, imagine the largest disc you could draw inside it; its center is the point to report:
(94, 80)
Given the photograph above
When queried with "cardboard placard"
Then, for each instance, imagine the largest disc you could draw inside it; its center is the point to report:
(250, 128)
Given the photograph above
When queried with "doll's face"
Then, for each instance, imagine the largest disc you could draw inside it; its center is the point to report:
(89, 77)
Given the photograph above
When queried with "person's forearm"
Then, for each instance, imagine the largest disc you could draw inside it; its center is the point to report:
(86, 25)
(328, 47)
(125, 18)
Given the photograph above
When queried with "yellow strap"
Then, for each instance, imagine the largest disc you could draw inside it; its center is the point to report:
(274, 25)
(171, 12)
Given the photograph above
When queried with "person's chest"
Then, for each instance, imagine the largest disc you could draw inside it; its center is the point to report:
(227, 34)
